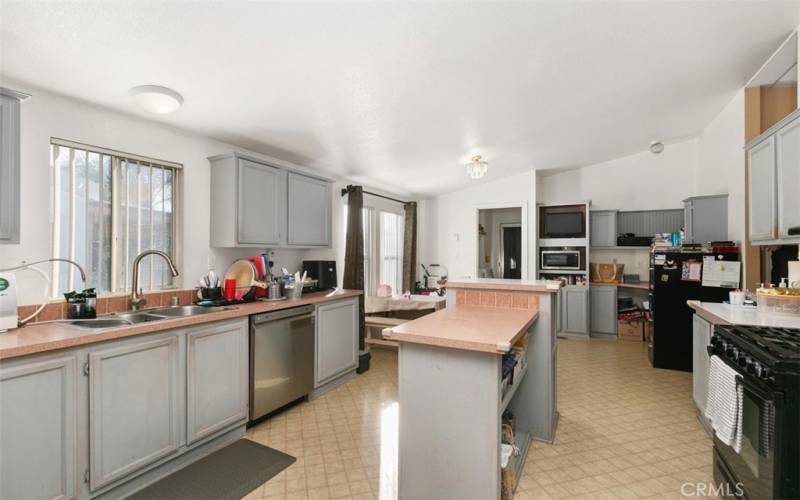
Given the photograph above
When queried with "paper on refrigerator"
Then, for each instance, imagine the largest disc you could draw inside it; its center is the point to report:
(721, 273)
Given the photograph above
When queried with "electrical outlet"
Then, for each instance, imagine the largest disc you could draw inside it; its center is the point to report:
(212, 262)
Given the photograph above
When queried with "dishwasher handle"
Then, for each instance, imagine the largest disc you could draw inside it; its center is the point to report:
(293, 313)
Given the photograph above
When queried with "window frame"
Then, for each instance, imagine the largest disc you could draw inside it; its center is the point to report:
(117, 157)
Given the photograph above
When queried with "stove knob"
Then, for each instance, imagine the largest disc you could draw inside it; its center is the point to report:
(744, 360)
(753, 367)
(732, 352)
(766, 373)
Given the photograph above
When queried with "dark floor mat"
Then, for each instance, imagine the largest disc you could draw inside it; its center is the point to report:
(229, 473)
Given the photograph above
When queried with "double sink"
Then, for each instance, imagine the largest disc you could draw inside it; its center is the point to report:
(146, 316)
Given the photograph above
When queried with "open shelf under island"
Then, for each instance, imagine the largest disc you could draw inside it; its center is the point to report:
(451, 394)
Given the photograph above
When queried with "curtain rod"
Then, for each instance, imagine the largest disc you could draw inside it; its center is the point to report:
(347, 189)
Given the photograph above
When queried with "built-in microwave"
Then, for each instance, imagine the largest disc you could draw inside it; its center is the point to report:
(569, 260)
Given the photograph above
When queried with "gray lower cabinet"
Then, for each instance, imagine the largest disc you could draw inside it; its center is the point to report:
(575, 309)
(603, 309)
(135, 391)
(309, 211)
(216, 379)
(38, 425)
(701, 336)
(706, 218)
(336, 340)
(603, 228)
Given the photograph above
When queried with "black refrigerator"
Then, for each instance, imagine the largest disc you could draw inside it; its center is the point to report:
(671, 285)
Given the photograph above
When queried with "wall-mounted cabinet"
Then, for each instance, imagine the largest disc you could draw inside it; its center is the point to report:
(706, 218)
(603, 228)
(255, 204)
(10, 164)
(773, 168)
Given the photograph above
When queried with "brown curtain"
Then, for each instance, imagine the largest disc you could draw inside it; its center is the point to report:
(410, 247)
(353, 278)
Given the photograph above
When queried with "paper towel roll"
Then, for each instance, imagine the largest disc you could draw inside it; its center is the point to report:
(794, 274)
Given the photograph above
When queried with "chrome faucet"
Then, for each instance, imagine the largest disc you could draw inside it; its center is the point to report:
(137, 298)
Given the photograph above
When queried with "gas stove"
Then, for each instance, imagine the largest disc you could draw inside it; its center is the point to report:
(758, 351)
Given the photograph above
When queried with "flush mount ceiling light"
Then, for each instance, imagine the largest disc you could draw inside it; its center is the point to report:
(156, 99)
(656, 147)
(477, 168)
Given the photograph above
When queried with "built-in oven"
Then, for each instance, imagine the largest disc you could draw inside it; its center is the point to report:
(568, 260)
(750, 473)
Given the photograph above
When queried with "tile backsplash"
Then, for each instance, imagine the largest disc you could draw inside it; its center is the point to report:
(107, 305)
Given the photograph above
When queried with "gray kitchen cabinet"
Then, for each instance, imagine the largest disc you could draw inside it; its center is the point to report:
(38, 426)
(603, 309)
(216, 378)
(603, 228)
(309, 211)
(260, 211)
(701, 336)
(761, 176)
(10, 164)
(706, 218)
(575, 309)
(787, 149)
(336, 340)
(135, 393)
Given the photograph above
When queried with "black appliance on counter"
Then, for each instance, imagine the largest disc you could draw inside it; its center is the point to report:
(324, 271)
(671, 341)
(768, 364)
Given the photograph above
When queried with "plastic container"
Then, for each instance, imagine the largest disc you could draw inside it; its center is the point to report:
(779, 300)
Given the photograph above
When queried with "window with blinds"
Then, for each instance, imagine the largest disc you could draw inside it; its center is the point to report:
(108, 207)
(391, 241)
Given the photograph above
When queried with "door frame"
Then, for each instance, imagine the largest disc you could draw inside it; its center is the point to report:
(476, 241)
(501, 237)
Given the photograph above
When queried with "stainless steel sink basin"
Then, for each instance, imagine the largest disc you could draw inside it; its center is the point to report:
(182, 311)
(99, 323)
(139, 317)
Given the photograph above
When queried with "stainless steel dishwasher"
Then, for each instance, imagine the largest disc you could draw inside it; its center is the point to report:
(281, 358)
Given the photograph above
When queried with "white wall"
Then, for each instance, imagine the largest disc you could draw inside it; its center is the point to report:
(642, 181)
(450, 234)
(47, 115)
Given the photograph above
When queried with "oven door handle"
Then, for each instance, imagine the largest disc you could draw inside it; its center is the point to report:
(759, 390)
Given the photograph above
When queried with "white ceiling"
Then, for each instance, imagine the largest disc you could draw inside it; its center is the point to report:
(397, 95)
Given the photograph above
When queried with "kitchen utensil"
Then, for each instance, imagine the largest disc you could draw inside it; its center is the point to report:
(244, 272)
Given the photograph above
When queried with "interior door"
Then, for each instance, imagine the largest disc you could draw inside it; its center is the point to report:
(512, 252)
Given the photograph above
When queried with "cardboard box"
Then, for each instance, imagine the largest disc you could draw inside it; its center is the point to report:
(631, 330)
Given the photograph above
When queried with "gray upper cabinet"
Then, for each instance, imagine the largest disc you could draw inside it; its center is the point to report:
(135, 392)
(575, 309)
(260, 210)
(336, 340)
(216, 378)
(10, 164)
(603, 309)
(309, 211)
(38, 428)
(256, 204)
(706, 218)
(761, 175)
(787, 145)
(603, 228)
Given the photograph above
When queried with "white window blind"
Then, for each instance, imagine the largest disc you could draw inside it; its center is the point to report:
(391, 239)
(108, 207)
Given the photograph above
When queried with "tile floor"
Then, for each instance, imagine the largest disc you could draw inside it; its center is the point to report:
(626, 430)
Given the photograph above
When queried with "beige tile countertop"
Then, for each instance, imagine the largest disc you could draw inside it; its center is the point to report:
(726, 314)
(472, 328)
(42, 337)
(550, 286)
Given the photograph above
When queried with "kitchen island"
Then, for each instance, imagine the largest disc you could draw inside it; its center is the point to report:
(452, 393)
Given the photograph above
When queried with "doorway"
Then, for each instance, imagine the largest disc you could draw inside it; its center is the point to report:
(511, 250)
(502, 247)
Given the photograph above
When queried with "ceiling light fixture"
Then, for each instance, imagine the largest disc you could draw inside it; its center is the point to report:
(156, 99)
(477, 168)
(656, 147)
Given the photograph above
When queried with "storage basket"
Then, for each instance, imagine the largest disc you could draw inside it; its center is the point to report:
(779, 300)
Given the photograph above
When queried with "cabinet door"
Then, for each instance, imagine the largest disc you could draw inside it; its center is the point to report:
(337, 340)
(688, 227)
(134, 395)
(216, 378)
(575, 310)
(37, 429)
(701, 335)
(603, 309)
(787, 145)
(761, 178)
(9, 169)
(309, 211)
(603, 228)
(709, 219)
(261, 215)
